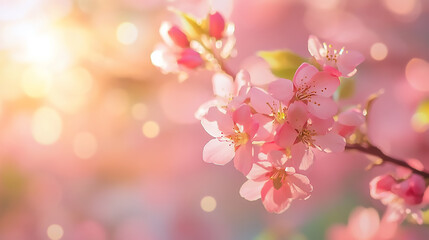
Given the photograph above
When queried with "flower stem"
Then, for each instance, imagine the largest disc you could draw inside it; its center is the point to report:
(375, 151)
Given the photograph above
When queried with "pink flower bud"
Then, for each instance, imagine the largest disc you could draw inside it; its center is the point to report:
(179, 38)
(216, 25)
(190, 58)
(411, 189)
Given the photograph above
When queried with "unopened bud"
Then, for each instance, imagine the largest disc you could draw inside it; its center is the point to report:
(216, 25)
(190, 58)
(179, 38)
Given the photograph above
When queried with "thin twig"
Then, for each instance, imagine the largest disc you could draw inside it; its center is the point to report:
(375, 151)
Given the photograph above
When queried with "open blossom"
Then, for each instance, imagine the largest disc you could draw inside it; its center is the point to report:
(275, 182)
(339, 62)
(308, 132)
(402, 197)
(233, 134)
(315, 89)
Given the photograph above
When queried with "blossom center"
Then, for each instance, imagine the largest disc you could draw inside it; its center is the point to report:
(278, 176)
(331, 53)
(279, 113)
(306, 136)
(238, 138)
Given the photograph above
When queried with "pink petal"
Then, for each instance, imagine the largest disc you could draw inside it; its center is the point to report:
(351, 117)
(277, 158)
(297, 152)
(322, 107)
(217, 123)
(243, 159)
(304, 74)
(223, 85)
(321, 126)
(330, 142)
(380, 186)
(251, 190)
(348, 61)
(266, 127)
(259, 171)
(260, 100)
(276, 201)
(281, 89)
(286, 136)
(297, 115)
(300, 186)
(315, 48)
(324, 84)
(242, 79)
(242, 115)
(218, 152)
(307, 160)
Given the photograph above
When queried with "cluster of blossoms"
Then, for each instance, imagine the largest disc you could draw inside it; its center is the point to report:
(272, 131)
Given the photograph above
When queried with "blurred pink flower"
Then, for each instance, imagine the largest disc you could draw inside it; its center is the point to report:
(402, 197)
(364, 224)
(348, 121)
(275, 183)
(338, 62)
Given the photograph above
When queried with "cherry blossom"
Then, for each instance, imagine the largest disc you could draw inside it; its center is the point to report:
(338, 62)
(233, 134)
(276, 183)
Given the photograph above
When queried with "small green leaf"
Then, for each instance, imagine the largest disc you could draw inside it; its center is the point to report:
(346, 89)
(283, 63)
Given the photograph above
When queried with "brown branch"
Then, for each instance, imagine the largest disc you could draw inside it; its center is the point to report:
(375, 151)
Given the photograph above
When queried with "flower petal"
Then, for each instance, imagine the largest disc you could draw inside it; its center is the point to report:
(348, 61)
(243, 159)
(324, 84)
(297, 115)
(351, 117)
(218, 152)
(330, 142)
(259, 171)
(322, 107)
(251, 190)
(315, 48)
(276, 201)
(300, 186)
(223, 85)
(286, 136)
(260, 100)
(304, 74)
(281, 89)
(215, 123)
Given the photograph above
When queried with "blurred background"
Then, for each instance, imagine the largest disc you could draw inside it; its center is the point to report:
(96, 143)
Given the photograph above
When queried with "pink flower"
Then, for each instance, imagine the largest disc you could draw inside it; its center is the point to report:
(364, 224)
(275, 183)
(216, 25)
(339, 62)
(233, 134)
(308, 132)
(402, 197)
(315, 89)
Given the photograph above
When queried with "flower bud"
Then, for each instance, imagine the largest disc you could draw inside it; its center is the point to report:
(179, 38)
(190, 58)
(216, 25)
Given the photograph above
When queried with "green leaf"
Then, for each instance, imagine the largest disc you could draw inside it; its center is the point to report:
(346, 89)
(283, 63)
